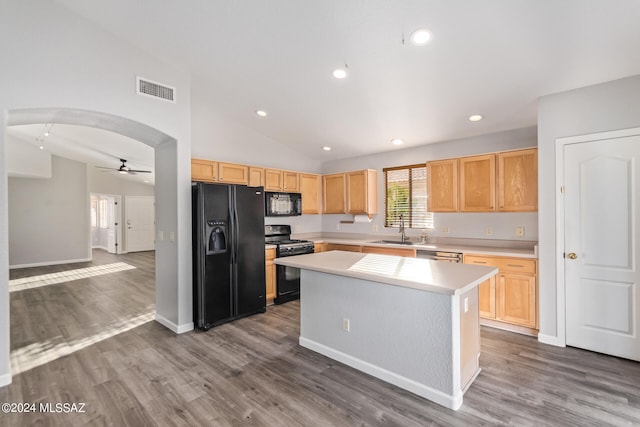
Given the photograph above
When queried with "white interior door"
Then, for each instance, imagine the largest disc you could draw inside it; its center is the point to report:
(112, 224)
(602, 192)
(140, 223)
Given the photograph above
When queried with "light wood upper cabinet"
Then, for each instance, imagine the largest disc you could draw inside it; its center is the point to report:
(518, 180)
(256, 177)
(362, 195)
(204, 170)
(290, 182)
(442, 186)
(273, 180)
(334, 193)
(279, 180)
(478, 183)
(311, 190)
(232, 173)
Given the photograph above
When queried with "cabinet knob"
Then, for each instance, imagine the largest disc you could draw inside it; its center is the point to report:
(572, 255)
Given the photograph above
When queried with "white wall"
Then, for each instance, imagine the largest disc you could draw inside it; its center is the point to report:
(27, 160)
(470, 225)
(54, 59)
(216, 138)
(608, 106)
(48, 218)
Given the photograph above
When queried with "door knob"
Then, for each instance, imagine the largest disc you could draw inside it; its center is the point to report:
(572, 255)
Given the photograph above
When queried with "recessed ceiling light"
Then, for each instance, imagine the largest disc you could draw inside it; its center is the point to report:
(420, 37)
(326, 148)
(146, 182)
(397, 141)
(42, 147)
(475, 118)
(339, 73)
(261, 113)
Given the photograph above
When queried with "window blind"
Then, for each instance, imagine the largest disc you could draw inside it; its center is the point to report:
(406, 195)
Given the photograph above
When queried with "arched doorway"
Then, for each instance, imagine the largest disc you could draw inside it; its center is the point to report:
(173, 290)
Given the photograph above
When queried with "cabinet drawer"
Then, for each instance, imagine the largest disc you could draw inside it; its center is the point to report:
(481, 260)
(409, 253)
(517, 265)
(339, 247)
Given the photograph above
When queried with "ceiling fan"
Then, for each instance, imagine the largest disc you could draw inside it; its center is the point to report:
(124, 169)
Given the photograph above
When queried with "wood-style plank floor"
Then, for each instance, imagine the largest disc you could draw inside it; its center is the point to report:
(252, 371)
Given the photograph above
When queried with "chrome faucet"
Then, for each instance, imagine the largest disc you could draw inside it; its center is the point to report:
(403, 237)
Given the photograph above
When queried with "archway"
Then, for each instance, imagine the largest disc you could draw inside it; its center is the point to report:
(173, 295)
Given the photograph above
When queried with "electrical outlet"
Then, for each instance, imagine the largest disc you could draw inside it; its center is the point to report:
(172, 236)
(489, 231)
(445, 230)
(519, 231)
(346, 324)
(337, 227)
(466, 304)
(374, 228)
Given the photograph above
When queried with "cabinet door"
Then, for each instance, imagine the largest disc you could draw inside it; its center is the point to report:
(442, 186)
(517, 299)
(273, 180)
(290, 182)
(204, 170)
(339, 247)
(518, 181)
(477, 183)
(334, 193)
(409, 253)
(233, 174)
(361, 192)
(487, 298)
(319, 247)
(270, 270)
(487, 289)
(256, 177)
(311, 189)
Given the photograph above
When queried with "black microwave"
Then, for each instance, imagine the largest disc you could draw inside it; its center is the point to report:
(282, 204)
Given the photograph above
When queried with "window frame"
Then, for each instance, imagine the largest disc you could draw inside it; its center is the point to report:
(427, 221)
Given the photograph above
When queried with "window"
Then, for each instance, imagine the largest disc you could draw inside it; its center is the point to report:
(406, 195)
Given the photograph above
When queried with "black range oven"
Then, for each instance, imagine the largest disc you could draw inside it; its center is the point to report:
(287, 278)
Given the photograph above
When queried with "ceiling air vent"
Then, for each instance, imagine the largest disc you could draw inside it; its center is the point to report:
(156, 90)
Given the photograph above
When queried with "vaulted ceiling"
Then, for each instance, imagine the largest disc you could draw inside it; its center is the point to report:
(492, 57)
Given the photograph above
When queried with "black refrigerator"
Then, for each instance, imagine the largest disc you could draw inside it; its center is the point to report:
(228, 253)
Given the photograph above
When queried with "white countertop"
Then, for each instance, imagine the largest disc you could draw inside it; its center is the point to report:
(422, 274)
(466, 248)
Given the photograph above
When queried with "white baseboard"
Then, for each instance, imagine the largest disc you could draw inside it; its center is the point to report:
(5, 380)
(178, 329)
(422, 390)
(551, 340)
(45, 263)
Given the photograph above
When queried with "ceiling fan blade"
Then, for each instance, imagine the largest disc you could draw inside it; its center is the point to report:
(104, 167)
(139, 171)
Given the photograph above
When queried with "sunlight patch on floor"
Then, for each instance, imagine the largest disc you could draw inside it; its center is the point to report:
(40, 353)
(66, 276)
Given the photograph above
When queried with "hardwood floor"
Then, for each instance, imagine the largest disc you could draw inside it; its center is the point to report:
(252, 371)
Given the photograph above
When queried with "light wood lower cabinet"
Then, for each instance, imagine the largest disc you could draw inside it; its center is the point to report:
(340, 247)
(319, 247)
(511, 295)
(270, 270)
(406, 252)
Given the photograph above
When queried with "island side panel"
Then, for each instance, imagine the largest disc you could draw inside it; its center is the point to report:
(405, 332)
(469, 337)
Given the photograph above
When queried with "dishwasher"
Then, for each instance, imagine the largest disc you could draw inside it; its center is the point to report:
(439, 255)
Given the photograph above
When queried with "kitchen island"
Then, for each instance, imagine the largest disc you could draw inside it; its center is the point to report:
(411, 322)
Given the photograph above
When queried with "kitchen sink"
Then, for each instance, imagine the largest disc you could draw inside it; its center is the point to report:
(395, 242)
